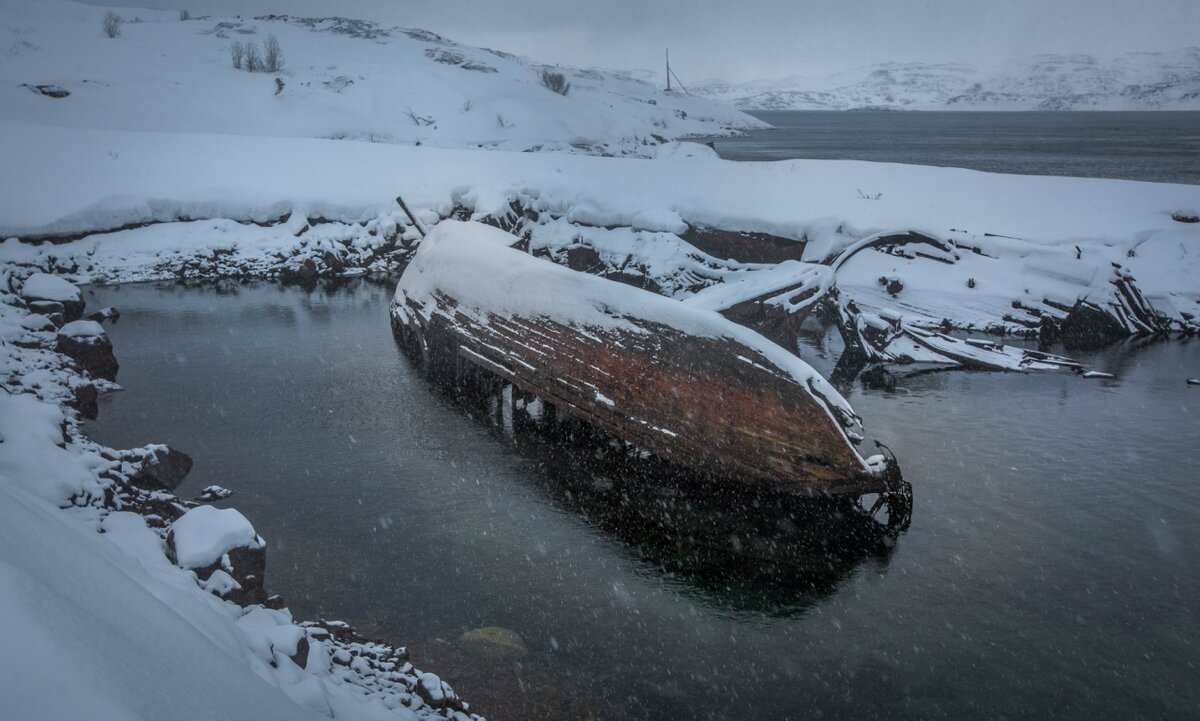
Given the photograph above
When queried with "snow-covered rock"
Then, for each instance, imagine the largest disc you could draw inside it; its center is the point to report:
(163, 468)
(219, 542)
(82, 329)
(204, 534)
(36, 322)
(87, 344)
(45, 288)
(107, 313)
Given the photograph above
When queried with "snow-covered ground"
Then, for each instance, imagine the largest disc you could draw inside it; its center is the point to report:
(340, 78)
(196, 205)
(1133, 81)
(163, 162)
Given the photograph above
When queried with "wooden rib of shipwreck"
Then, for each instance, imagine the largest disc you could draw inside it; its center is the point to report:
(685, 384)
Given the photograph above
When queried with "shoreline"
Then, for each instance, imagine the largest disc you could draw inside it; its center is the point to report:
(325, 666)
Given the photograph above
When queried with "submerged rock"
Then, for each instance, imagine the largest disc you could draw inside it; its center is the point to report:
(108, 313)
(214, 493)
(494, 643)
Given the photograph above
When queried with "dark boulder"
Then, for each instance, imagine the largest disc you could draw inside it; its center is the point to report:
(45, 307)
(247, 566)
(307, 270)
(1088, 326)
(437, 693)
(300, 658)
(162, 469)
(50, 91)
(92, 351)
(333, 261)
(84, 400)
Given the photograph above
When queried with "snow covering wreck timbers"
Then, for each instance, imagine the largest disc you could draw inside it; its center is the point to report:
(1082, 294)
(104, 569)
(685, 384)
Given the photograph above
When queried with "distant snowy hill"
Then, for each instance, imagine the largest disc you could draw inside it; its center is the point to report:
(341, 78)
(1134, 81)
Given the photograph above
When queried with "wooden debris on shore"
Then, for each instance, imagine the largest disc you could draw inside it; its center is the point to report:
(886, 338)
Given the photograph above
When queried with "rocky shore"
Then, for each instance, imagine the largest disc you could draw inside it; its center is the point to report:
(53, 365)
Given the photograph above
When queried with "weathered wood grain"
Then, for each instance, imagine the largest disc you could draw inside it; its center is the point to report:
(707, 404)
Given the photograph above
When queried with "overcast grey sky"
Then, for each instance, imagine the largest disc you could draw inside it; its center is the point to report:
(750, 39)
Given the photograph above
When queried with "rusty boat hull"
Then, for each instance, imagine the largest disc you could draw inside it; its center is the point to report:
(714, 403)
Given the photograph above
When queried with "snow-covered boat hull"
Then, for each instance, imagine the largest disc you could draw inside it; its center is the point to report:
(684, 384)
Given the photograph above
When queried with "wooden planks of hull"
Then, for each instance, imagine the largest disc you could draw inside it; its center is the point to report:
(706, 402)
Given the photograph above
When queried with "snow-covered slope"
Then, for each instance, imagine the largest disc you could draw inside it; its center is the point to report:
(342, 79)
(1134, 81)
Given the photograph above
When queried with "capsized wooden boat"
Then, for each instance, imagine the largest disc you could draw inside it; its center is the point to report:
(683, 383)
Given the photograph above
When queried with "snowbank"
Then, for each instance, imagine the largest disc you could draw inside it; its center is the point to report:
(80, 181)
(31, 454)
(94, 634)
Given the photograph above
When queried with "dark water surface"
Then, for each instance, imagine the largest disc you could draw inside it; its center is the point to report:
(1050, 570)
(1157, 146)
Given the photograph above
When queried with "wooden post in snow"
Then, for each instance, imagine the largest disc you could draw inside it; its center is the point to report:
(411, 217)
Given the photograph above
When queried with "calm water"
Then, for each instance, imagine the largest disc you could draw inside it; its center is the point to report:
(1049, 572)
(1162, 147)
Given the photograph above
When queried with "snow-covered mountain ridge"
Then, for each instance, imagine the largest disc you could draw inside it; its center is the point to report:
(1133, 81)
(340, 78)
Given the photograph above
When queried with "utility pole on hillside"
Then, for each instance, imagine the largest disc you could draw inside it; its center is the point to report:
(668, 70)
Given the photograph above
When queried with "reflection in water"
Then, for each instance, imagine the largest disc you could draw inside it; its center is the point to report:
(737, 548)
